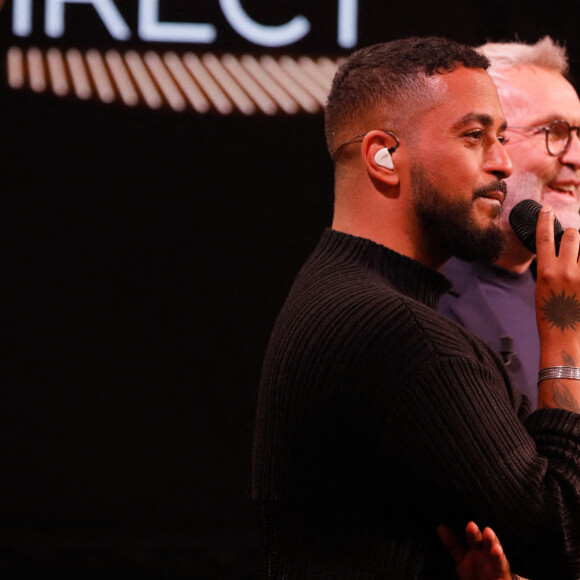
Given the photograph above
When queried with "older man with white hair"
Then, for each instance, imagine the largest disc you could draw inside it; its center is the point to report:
(496, 301)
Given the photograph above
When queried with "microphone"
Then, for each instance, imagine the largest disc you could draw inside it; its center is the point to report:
(523, 219)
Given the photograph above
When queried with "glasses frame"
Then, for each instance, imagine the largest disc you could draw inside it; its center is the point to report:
(360, 136)
(547, 128)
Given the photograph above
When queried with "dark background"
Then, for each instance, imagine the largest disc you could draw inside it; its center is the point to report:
(144, 256)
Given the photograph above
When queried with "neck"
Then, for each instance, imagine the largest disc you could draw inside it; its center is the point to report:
(381, 212)
(389, 233)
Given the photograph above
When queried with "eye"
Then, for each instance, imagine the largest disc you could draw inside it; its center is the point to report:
(503, 139)
(476, 134)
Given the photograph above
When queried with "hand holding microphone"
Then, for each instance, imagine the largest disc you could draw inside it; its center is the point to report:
(523, 220)
(557, 302)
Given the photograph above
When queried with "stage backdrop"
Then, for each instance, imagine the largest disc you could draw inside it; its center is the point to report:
(164, 176)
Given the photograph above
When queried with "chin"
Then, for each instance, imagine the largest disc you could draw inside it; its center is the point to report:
(567, 213)
(568, 221)
(490, 219)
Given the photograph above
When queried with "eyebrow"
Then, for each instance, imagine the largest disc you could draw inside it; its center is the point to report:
(547, 119)
(483, 118)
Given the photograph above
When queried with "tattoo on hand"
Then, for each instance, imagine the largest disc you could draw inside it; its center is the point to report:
(562, 311)
(562, 398)
(568, 360)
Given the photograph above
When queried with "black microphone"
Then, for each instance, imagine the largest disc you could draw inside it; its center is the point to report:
(523, 219)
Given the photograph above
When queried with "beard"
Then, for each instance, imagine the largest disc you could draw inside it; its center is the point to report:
(450, 225)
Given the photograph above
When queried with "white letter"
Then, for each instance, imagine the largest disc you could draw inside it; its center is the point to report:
(347, 23)
(107, 10)
(22, 17)
(151, 29)
(281, 35)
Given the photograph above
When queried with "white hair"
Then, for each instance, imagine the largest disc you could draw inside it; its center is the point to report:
(505, 55)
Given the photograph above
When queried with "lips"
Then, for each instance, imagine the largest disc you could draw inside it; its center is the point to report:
(495, 191)
(566, 188)
(495, 195)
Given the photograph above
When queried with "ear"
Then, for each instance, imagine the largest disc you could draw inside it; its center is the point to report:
(375, 152)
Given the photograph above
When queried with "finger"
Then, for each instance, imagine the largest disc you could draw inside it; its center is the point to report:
(473, 534)
(545, 247)
(492, 544)
(452, 543)
(569, 245)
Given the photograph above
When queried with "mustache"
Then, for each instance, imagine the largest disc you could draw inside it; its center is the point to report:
(499, 185)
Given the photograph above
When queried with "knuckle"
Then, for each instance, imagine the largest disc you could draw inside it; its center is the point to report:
(571, 236)
(543, 238)
(568, 276)
(545, 275)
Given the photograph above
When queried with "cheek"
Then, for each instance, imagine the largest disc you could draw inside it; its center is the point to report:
(533, 159)
(454, 170)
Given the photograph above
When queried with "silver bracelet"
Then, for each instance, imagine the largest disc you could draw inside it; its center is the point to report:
(559, 373)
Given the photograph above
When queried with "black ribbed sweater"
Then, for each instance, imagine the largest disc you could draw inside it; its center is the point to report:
(379, 419)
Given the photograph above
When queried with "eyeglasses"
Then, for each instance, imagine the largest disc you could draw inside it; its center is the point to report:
(357, 137)
(558, 134)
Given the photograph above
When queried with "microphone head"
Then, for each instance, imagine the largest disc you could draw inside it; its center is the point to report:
(523, 219)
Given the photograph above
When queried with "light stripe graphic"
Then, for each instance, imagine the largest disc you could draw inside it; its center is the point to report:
(15, 67)
(143, 79)
(228, 83)
(57, 72)
(122, 78)
(78, 70)
(100, 76)
(201, 84)
(36, 76)
(285, 100)
(186, 83)
(254, 90)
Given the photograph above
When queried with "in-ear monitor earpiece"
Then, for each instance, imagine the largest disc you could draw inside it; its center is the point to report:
(384, 159)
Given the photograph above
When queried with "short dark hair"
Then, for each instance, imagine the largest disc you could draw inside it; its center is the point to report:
(385, 75)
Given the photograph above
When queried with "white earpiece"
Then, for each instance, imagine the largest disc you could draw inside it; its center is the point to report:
(384, 159)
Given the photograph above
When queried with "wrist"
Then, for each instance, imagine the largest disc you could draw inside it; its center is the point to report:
(559, 372)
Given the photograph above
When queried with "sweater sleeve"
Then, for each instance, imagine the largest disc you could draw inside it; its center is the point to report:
(453, 426)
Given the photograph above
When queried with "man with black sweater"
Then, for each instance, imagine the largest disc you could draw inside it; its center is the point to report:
(378, 419)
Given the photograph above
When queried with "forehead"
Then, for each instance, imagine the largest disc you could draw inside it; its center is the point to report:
(462, 95)
(532, 95)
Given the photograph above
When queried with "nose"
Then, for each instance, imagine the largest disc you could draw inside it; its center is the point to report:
(498, 162)
(571, 156)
